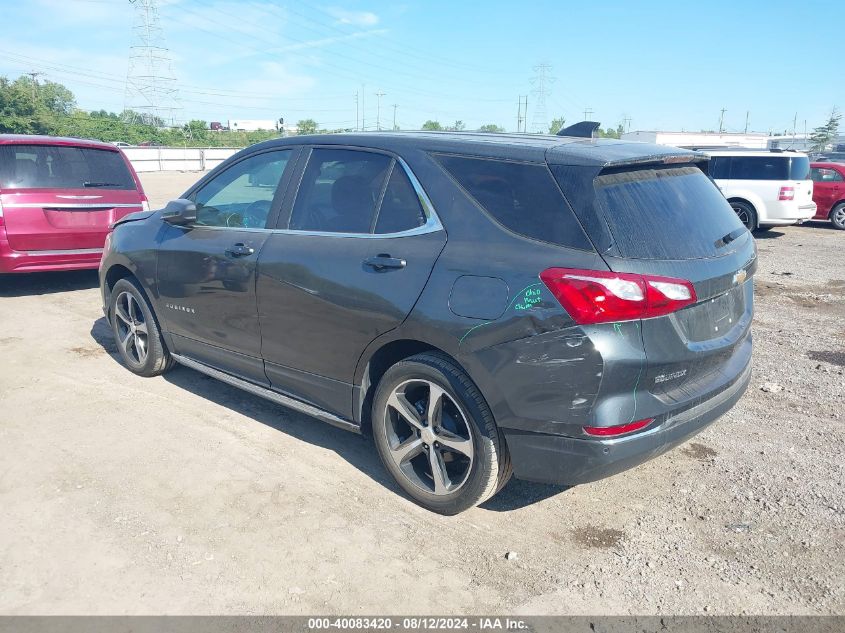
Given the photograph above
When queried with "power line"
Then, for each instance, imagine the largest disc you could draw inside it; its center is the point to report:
(541, 81)
(150, 82)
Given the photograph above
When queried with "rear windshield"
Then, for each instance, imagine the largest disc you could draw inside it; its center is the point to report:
(521, 196)
(765, 167)
(666, 213)
(59, 167)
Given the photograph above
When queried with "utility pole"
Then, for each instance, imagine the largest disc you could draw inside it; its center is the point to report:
(363, 109)
(588, 112)
(747, 114)
(395, 105)
(35, 75)
(522, 113)
(794, 125)
(356, 112)
(379, 95)
(627, 122)
(722, 121)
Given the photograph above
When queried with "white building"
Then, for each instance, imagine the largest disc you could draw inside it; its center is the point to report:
(252, 125)
(752, 140)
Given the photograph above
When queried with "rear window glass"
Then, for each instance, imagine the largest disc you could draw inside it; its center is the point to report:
(799, 168)
(522, 196)
(666, 213)
(55, 167)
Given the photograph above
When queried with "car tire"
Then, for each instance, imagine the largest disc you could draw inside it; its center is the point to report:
(448, 457)
(136, 330)
(746, 214)
(837, 216)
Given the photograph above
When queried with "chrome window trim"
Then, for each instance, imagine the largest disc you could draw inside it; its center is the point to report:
(71, 251)
(432, 223)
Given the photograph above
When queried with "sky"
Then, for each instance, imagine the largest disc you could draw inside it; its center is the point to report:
(654, 65)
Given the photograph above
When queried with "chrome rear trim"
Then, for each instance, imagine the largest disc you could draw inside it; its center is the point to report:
(73, 205)
(71, 251)
(268, 394)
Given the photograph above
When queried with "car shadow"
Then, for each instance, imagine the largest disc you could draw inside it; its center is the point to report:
(24, 284)
(768, 235)
(358, 450)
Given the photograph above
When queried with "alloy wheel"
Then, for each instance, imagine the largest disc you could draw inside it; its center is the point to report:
(742, 214)
(132, 333)
(838, 216)
(429, 437)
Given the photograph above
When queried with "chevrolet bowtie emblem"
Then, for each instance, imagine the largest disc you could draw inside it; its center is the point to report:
(740, 276)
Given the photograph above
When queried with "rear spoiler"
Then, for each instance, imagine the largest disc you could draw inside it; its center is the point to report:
(584, 129)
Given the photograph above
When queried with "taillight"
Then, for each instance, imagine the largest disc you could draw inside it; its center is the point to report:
(619, 429)
(596, 296)
(786, 193)
(1, 214)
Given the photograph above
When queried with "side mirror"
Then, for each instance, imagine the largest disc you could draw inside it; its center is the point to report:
(180, 212)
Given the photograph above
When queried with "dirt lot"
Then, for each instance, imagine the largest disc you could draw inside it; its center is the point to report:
(180, 494)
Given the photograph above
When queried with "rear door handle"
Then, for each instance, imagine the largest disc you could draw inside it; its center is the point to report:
(239, 250)
(383, 261)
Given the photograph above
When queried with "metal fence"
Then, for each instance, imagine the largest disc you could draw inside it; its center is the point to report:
(177, 158)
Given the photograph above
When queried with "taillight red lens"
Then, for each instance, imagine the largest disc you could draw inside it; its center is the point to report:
(596, 296)
(786, 193)
(619, 429)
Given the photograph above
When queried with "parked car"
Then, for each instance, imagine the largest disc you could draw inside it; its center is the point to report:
(830, 157)
(121, 144)
(829, 192)
(765, 188)
(439, 291)
(150, 144)
(58, 197)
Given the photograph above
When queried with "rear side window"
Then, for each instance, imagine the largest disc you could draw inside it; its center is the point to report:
(799, 168)
(521, 196)
(665, 213)
(759, 168)
(59, 167)
(339, 191)
(820, 174)
(400, 209)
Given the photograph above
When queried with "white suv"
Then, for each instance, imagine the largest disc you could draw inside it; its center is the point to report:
(765, 188)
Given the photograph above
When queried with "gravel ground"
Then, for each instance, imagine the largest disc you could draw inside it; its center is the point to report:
(179, 494)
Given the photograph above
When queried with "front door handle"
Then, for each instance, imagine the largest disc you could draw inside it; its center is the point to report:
(239, 250)
(383, 261)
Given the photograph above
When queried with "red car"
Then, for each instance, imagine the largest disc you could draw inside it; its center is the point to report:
(58, 197)
(829, 192)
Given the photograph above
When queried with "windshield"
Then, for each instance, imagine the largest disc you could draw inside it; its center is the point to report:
(61, 167)
(665, 213)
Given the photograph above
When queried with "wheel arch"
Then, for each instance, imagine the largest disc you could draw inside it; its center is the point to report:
(833, 207)
(376, 360)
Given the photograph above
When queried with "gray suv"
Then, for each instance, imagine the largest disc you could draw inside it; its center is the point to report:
(557, 308)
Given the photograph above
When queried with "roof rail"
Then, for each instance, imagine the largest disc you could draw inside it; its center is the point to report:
(584, 129)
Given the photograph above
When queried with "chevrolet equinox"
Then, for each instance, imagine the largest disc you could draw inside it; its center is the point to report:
(557, 308)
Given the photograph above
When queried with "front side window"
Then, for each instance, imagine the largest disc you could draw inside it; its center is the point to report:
(62, 167)
(340, 191)
(241, 196)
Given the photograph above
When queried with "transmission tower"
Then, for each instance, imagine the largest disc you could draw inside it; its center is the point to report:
(542, 82)
(151, 91)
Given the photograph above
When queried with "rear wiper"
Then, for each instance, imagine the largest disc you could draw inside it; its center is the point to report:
(730, 237)
(100, 184)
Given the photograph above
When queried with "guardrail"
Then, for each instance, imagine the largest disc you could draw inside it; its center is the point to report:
(177, 158)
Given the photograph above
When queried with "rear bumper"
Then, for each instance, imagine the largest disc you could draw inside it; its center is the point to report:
(563, 460)
(786, 213)
(12, 261)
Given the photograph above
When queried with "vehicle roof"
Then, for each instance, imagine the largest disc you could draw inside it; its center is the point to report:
(38, 139)
(840, 167)
(754, 152)
(527, 147)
